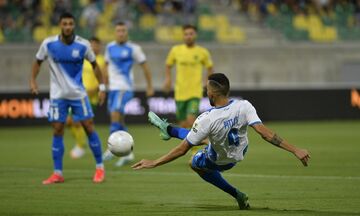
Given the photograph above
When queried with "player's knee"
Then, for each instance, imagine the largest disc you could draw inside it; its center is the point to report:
(88, 126)
(190, 163)
(115, 116)
(58, 129)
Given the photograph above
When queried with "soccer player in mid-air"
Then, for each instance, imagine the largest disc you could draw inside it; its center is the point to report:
(120, 55)
(225, 125)
(65, 54)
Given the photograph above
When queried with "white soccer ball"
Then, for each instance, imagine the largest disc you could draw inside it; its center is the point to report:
(120, 143)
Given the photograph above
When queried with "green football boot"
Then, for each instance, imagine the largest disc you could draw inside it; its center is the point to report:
(242, 200)
(159, 123)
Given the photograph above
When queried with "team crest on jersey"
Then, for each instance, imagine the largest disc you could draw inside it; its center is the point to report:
(75, 53)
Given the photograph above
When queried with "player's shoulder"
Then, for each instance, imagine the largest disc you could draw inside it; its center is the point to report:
(177, 47)
(50, 39)
(240, 102)
(133, 45)
(80, 40)
(201, 48)
(245, 105)
(110, 44)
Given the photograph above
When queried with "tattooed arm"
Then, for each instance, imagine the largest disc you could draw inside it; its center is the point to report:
(270, 136)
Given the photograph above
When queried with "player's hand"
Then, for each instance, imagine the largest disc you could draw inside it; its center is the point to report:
(148, 164)
(303, 155)
(102, 97)
(150, 91)
(34, 87)
(167, 86)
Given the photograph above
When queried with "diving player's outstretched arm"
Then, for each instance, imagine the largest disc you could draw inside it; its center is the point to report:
(270, 136)
(176, 152)
(34, 73)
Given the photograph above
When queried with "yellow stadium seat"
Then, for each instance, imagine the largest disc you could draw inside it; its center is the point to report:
(314, 21)
(232, 35)
(300, 22)
(55, 30)
(40, 33)
(330, 34)
(271, 8)
(222, 21)
(177, 33)
(147, 21)
(163, 34)
(47, 5)
(324, 35)
(207, 22)
(105, 33)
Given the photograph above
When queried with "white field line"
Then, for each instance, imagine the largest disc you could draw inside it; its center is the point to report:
(167, 173)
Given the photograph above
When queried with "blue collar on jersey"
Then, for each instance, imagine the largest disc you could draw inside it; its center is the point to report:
(230, 102)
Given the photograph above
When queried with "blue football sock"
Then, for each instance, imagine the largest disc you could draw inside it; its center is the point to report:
(217, 180)
(58, 152)
(95, 146)
(177, 132)
(115, 126)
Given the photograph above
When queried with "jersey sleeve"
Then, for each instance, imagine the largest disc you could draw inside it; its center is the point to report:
(89, 53)
(251, 115)
(207, 62)
(200, 130)
(42, 52)
(139, 55)
(170, 59)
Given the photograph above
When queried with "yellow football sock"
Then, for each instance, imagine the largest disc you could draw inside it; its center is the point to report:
(79, 134)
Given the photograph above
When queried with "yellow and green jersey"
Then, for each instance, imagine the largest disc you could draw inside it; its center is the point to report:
(90, 81)
(189, 67)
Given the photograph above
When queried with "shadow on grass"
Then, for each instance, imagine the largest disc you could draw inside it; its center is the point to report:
(267, 210)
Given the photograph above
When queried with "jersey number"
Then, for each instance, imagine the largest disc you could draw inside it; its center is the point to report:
(54, 113)
(233, 137)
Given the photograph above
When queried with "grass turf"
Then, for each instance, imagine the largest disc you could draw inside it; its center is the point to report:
(275, 181)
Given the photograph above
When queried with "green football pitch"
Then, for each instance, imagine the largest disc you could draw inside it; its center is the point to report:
(276, 182)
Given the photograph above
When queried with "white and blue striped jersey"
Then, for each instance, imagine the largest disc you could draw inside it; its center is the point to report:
(120, 59)
(66, 65)
(226, 128)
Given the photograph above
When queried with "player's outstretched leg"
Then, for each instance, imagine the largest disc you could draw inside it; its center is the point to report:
(161, 124)
(166, 130)
(210, 172)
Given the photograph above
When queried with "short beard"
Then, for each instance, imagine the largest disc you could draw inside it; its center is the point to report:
(67, 37)
(212, 103)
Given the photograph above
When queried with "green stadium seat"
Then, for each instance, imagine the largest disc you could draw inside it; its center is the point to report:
(206, 35)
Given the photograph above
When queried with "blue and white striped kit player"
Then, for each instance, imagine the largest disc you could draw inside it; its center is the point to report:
(226, 129)
(120, 59)
(67, 91)
(66, 87)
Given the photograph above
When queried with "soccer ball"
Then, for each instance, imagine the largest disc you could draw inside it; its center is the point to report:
(120, 143)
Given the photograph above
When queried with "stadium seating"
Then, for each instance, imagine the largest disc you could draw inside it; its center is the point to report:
(337, 25)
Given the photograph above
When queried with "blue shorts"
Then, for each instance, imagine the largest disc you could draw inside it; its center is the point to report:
(202, 162)
(80, 109)
(117, 100)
